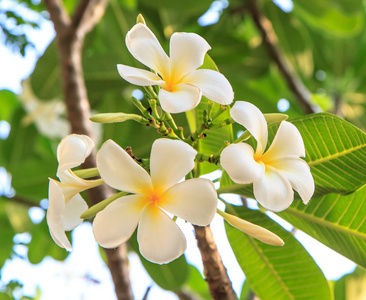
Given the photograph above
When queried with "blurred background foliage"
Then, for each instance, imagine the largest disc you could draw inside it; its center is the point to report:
(323, 42)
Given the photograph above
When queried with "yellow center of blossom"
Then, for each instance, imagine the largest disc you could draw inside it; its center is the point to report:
(171, 81)
(154, 197)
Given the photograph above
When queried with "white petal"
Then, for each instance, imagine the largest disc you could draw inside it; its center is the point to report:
(55, 214)
(183, 98)
(72, 151)
(194, 200)
(238, 161)
(297, 171)
(73, 210)
(120, 171)
(253, 120)
(213, 85)
(287, 142)
(72, 184)
(145, 47)
(138, 76)
(187, 52)
(160, 239)
(273, 191)
(258, 232)
(170, 161)
(59, 237)
(116, 223)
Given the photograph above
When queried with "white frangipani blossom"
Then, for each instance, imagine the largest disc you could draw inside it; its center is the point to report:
(160, 239)
(275, 172)
(65, 203)
(181, 84)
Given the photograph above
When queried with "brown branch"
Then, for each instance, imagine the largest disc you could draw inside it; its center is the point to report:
(117, 258)
(70, 37)
(215, 272)
(270, 40)
(87, 14)
(20, 200)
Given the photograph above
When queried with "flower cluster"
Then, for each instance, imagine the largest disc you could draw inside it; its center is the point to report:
(152, 195)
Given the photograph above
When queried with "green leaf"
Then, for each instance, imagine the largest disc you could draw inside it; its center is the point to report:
(187, 7)
(286, 272)
(330, 17)
(171, 276)
(336, 221)
(7, 233)
(351, 286)
(29, 158)
(8, 103)
(196, 284)
(334, 152)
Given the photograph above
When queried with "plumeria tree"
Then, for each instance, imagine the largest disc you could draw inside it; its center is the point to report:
(166, 119)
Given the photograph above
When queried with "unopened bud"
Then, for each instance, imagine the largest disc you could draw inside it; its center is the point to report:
(258, 232)
(117, 117)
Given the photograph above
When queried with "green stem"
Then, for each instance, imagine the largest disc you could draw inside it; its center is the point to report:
(167, 117)
(92, 211)
(221, 109)
(213, 158)
(141, 108)
(243, 137)
(87, 173)
(154, 110)
(150, 91)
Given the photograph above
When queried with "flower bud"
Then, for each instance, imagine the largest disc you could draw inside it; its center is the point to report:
(117, 117)
(253, 230)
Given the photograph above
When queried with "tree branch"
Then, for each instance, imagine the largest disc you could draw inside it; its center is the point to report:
(58, 14)
(70, 37)
(87, 14)
(270, 40)
(216, 276)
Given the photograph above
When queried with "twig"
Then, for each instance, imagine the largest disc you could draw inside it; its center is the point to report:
(147, 293)
(70, 34)
(20, 200)
(215, 272)
(270, 40)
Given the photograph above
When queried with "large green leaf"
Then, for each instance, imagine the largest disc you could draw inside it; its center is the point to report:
(331, 17)
(196, 285)
(6, 234)
(29, 158)
(336, 221)
(171, 276)
(8, 103)
(286, 272)
(351, 286)
(334, 151)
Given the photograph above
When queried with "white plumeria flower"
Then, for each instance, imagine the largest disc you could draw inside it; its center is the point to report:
(160, 239)
(65, 203)
(181, 84)
(274, 173)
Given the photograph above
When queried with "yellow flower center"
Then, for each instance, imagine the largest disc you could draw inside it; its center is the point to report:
(171, 81)
(154, 197)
